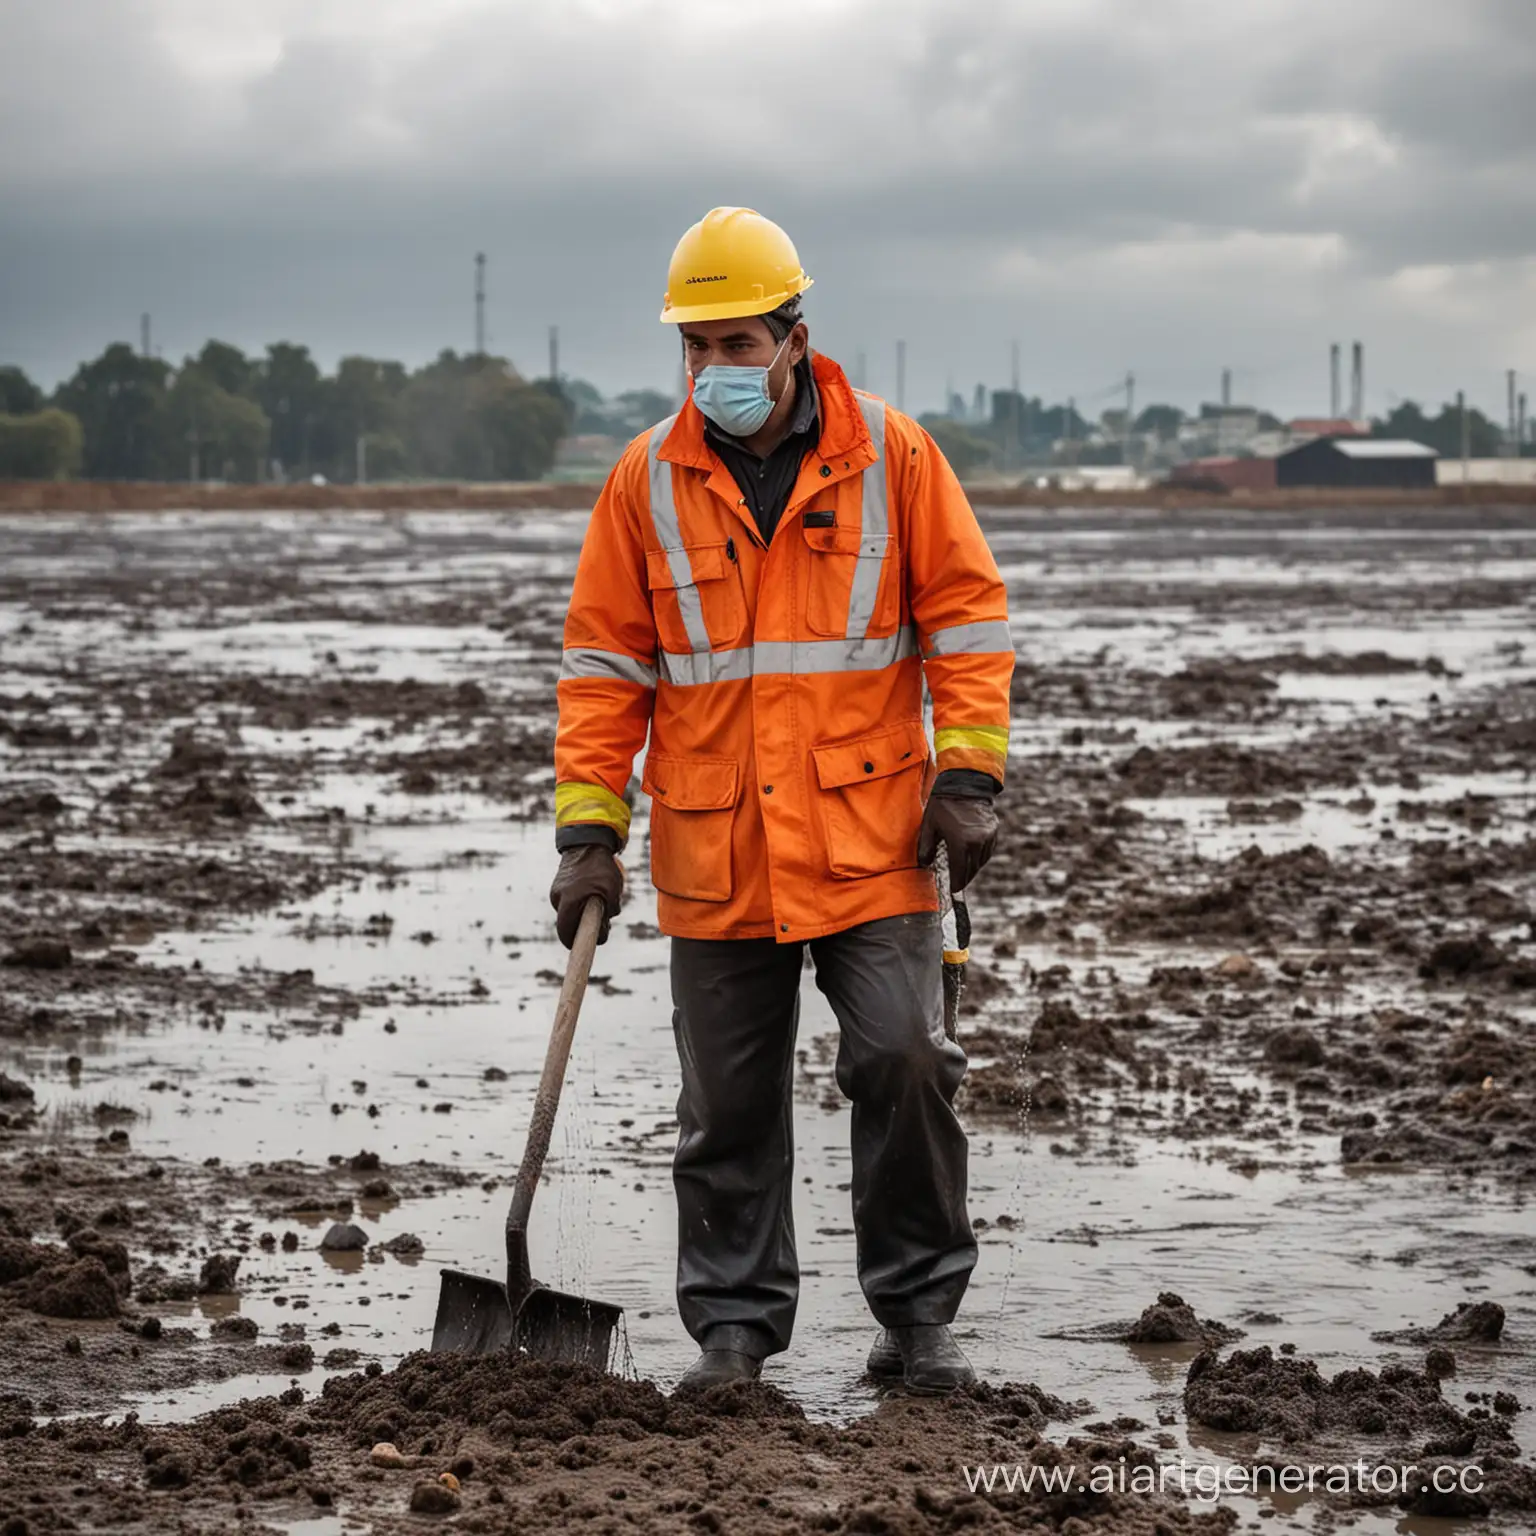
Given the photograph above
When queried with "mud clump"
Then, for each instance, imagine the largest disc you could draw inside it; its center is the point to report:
(1294, 1045)
(14, 1091)
(1473, 1322)
(1257, 1392)
(1171, 1320)
(1477, 957)
(217, 1277)
(83, 1290)
(39, 955)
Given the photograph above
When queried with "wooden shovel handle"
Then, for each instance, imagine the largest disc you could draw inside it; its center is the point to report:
(547, 1102)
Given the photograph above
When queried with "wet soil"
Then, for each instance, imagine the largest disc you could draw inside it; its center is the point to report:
(527, 1447)
(1255, 967)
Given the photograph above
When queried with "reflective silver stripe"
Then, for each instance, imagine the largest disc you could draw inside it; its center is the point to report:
(798, 658)
(874, 527)
(664, 516)
(685, 670)
(806, 656)
(579, 661)
(986, 638)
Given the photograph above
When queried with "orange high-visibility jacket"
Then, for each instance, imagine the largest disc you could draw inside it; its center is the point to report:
(782, 685)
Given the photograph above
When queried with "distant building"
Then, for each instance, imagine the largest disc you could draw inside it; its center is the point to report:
(1228, 428)
(1305, 428)
(1357, 461)
(1486, 472)
(1224, 473)
(1269, 445)
(1096, 477)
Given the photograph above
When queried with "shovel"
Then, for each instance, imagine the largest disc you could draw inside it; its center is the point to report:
(476, 1316)
(955, 922)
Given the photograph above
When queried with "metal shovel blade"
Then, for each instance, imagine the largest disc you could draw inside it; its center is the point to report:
(551, 1325)
(475, 1316)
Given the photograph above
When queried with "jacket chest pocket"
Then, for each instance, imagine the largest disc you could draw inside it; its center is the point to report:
(853, 582)
(872, 799)
(697, 596)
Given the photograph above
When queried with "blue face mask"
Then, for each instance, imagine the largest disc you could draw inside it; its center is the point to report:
(735, 399)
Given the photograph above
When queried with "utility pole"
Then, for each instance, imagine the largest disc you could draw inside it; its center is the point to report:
(1466, 436)
(554, 355)
(1512, 442)
(1520, 427)
(1333, 381)
(144, 347)
(901, 375)
(1226, 388)
(1130, 409)
(480, 304)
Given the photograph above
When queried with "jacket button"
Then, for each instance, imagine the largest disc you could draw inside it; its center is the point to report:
(826, 469)
(767, 789)
(869, 767)
(783, 927)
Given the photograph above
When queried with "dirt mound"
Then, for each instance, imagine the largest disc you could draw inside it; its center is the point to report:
(534, 1448)
(1255, 1391)
(516, 1401)
(1237, 773)
(1476, 1322)
(1477, 957)
(1169, 1320)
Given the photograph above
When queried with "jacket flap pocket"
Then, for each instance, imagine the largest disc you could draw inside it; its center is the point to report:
(871, 757)
(696, 563)
(691, 783)
(834, 540)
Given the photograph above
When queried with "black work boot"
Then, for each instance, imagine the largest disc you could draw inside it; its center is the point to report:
(715, 1366)
(885, 1362)
(931, 1361)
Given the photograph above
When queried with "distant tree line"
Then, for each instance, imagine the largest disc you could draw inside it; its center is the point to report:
(1485, 438)
(226, 416)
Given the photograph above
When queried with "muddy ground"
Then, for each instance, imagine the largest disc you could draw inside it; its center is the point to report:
(1253, 1084)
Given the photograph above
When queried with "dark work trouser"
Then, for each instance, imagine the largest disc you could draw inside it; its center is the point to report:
(736, 1010)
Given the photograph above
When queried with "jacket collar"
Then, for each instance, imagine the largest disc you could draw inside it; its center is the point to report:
(844, 445)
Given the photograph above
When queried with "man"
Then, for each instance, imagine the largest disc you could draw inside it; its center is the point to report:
(767, 578)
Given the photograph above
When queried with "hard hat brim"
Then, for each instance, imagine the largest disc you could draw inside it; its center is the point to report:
(732, 309)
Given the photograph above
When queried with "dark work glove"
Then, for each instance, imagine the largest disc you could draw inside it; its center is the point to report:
(966, 827)
(589, 870)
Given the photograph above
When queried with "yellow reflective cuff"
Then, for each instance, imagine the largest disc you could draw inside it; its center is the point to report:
(982, 738)
(591, 802)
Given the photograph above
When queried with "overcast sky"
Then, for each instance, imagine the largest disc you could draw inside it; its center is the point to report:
(1164, 186)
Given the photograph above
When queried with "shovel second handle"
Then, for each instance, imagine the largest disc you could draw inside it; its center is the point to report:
(542, 1125)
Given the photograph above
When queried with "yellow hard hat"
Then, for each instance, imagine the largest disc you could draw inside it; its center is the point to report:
(732, 262)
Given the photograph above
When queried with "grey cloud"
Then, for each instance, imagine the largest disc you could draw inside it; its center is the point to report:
(919, 150)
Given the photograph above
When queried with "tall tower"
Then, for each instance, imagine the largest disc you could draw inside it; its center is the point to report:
(1334, 400)
(480, 304)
